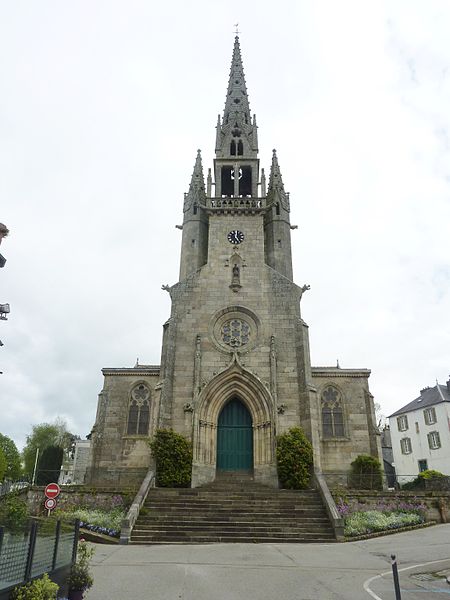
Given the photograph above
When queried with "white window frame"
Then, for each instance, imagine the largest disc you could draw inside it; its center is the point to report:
(434, 440)
(429, 414)
(405, 445)
(402, 423)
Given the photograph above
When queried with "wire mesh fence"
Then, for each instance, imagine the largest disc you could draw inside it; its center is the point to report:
(37, 549)
(378, 481)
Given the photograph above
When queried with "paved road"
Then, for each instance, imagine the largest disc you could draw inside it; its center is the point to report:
(276, 571)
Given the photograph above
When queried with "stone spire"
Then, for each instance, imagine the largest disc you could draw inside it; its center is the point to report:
(196, 193)
(276, 192)
(236, 104)
(237, 123)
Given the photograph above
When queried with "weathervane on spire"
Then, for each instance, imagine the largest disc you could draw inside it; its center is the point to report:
(237, 32)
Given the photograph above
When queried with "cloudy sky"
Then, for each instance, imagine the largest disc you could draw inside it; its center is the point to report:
(103, 105)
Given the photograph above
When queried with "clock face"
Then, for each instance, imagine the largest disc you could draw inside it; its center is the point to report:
(235, 236)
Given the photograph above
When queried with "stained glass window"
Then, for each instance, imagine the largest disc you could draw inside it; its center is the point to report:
(139, 411)
(235, 333)
(332, 414)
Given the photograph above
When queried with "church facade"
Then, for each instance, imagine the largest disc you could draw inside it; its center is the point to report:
(235, 366)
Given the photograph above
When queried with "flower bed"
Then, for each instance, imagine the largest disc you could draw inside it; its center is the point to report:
(105, 519)
(384, 516)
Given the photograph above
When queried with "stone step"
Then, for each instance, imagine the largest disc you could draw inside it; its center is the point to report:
(263, 510)
(232, 511)
(242, 539)
(238, 519)
(232, 527)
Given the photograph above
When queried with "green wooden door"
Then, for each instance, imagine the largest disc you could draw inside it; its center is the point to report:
(234, 438)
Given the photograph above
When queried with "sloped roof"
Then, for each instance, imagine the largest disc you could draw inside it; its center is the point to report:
(428, 397)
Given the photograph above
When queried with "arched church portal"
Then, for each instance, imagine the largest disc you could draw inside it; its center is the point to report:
(234, 396)
(234, 438)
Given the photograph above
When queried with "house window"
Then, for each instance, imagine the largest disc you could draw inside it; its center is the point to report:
(139, 411)
(402, 423)
(423, 465)
(332, 414)
(405, 445)
(429, 416)
(434, 441)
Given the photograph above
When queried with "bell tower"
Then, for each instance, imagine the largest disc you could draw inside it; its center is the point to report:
(236, 166)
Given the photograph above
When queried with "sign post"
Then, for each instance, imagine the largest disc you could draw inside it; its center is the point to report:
(52, 491)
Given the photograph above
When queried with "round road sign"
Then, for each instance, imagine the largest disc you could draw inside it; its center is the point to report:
(50, 503)
(52, 490)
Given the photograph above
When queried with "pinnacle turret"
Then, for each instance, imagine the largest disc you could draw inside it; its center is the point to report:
(276, 191)
(196, 193)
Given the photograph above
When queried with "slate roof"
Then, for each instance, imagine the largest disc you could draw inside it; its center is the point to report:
(428, 397)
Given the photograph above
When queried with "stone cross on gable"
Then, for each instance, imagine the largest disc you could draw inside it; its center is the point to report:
(330, 395)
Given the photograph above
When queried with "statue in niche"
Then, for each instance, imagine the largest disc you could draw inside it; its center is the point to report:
(236, 271)
(236, 278)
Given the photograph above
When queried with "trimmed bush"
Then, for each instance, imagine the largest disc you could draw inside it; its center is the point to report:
(49, 465)
(294, 459)
(366, 473)
(173, 456)
(426, 479)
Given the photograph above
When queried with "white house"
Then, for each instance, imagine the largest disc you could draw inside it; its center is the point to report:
(420, 433)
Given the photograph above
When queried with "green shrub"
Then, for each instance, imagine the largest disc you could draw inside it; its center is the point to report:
(39, 589)
(80, 577)
(294, 459)
(424, 479)
(366, 473)
(430, 474)
(13, 512)
(173, 456)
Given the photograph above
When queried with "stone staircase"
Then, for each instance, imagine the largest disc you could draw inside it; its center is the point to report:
(232, 509)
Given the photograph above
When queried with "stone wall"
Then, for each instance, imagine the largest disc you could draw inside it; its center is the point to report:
(74, 495)
(437, 503)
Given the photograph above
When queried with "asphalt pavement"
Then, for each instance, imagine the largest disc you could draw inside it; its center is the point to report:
(352, 570)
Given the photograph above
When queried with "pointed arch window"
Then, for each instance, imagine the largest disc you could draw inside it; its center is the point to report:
(233, 148)
(240, 148)
(139, 411)
(332, 413)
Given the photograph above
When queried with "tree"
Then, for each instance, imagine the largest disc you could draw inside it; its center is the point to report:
(3, 465)
(42, 436)
(49, 465)
(13, 463)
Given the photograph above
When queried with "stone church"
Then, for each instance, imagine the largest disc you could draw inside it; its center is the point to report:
(235, 364)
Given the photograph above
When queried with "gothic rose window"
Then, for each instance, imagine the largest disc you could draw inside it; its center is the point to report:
(235, 333)
(332, 414)
(139, 411)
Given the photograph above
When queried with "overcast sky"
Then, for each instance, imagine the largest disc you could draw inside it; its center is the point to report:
(103, 105)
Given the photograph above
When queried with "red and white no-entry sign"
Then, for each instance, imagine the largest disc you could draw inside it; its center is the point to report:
(52, 490)
(50, 503)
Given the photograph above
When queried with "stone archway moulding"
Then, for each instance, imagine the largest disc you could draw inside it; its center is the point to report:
(234, 381)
